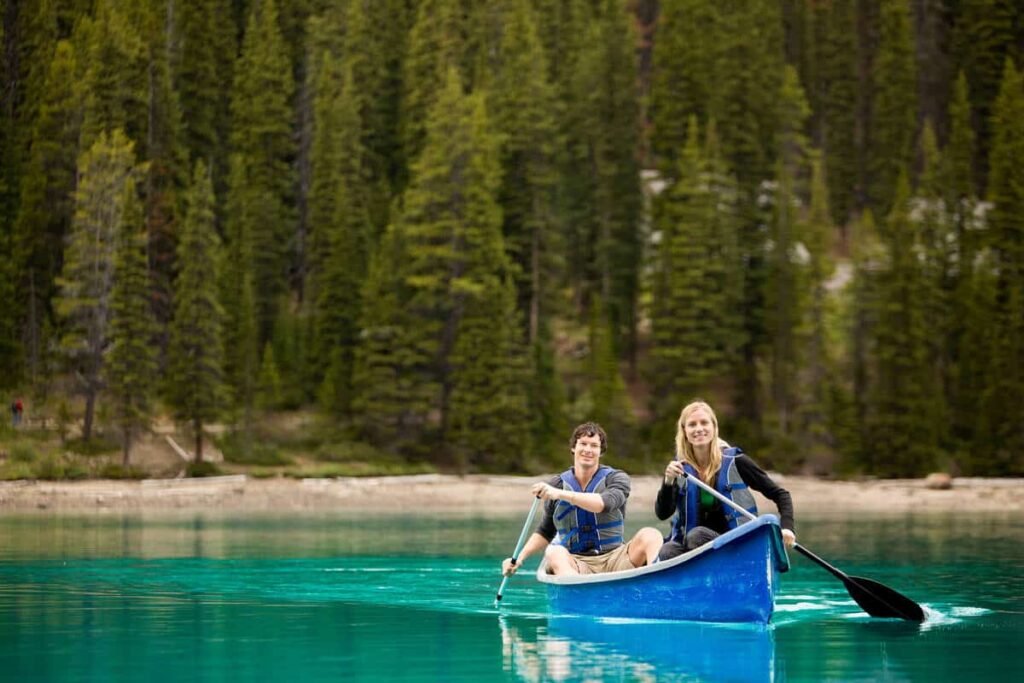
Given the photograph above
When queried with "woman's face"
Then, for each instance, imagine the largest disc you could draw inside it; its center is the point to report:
(699, 428)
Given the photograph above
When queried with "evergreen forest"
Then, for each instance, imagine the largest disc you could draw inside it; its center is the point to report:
(449, 230)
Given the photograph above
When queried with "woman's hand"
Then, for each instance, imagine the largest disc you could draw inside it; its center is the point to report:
(673, 470)
(789, 538)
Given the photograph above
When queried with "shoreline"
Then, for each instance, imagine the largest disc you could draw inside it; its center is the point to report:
(479, 494)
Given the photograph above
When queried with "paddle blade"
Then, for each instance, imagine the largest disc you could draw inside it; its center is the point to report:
(879, 600)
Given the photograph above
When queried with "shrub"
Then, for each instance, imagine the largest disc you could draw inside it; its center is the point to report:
(235, 450)
(202, 469)
(119, 471)
(22, 452)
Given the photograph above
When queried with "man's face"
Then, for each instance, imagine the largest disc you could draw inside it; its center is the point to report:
(587, 451)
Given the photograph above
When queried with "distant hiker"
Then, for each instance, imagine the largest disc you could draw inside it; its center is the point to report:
(17, 408)
(585, 507)
(700, 518)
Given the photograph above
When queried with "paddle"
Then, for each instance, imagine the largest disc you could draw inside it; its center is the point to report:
(874, 598)
(519, 546)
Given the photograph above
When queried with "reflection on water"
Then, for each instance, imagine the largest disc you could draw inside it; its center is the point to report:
(581, 648)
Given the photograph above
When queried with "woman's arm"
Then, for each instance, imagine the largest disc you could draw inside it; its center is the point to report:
(758, 479)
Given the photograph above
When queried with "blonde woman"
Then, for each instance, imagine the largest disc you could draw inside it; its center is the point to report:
(699, 516)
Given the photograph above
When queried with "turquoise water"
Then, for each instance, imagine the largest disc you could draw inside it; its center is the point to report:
(215, 598)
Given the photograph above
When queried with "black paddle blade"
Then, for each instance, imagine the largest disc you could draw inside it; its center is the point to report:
(879, 600)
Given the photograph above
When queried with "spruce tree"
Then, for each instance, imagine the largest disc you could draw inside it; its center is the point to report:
(341, 232)
(986, 33)
(606, 236)
(695, 331)
(819, 386)
(610, 404)
(835, 126)
(238, 295)
(894, 120)
(131, 358)
(683, 74)
(206, 48)
(195, 370)
(106, 177)
(436, 43)
(905, 409)
(46, 207)
(115, 82)
(262, 138)
(522, 102)
(1005, 391)
(786, 286)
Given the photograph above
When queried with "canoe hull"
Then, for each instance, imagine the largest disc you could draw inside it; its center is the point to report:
(732, 579)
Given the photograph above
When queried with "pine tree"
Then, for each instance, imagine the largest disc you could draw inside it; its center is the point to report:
(269, 389)
(985, 34)
(106, 176)
(341, 231)
(522, 102)
(167, 172)
(1005, 391)
(684, 51)
(436, 43)
(114, 85)
(695, 331)
(835, 128)
(894, 121)
(47, 205)
(206, 47)
(819, 385)
(131, 357)
(786, 287)
(262, 137)
(904, 404)
(237, 293)
(195, 375)
(606, 236)
(390, 399)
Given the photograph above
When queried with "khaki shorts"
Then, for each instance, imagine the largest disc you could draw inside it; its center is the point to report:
(615, 561)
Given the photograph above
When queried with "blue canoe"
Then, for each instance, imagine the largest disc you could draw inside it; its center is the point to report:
(731, 579)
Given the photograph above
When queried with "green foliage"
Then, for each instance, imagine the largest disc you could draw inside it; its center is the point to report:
(261, 136)
(684, 71)
(131, 357)
(268, 392)
(894, 121)
(194, 383)
(47, 204)
(1004, 390)
(240, 450)
(695, 281)
(106, 187)
(202, 468)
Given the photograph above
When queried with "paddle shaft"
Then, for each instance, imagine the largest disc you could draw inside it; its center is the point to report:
(876, 599)
(519, 545)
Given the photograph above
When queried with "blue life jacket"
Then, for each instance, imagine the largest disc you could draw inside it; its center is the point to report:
(583, 532)
(728, 482)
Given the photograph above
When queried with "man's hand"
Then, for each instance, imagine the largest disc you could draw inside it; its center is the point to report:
(509, 567)
(547, 492)
(789, 538)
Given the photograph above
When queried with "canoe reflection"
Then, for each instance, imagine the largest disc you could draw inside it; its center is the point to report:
(582, 648)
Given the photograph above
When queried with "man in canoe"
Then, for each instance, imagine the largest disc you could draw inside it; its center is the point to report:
(586, 506)
(699, 517)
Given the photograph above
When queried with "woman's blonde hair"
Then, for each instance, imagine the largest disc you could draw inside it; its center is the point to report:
(684, 449)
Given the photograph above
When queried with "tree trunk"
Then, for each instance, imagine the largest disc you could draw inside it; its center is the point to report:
(90, 410)
(198, 426)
